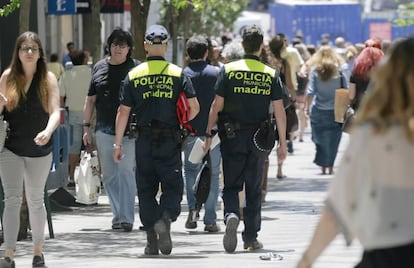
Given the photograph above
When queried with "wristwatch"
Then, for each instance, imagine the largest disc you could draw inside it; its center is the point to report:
(117, 146)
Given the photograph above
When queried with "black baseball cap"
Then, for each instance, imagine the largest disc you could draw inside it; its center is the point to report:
(156, 35)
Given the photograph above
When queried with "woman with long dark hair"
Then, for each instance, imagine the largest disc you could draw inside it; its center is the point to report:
(29, 101)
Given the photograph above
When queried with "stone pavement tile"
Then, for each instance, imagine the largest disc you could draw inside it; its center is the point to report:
(84, 237)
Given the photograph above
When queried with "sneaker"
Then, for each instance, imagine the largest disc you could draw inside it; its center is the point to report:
(191, 223)
(116, 226)
(127, 227)
(38, 261)
(212, 228)
(290, 147)
(230, 235)
(152, 243)
(162, 228)
(253, 245)
(7, 263)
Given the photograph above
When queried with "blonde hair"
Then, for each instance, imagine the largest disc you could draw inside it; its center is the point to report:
(326, 62)
(391, 98)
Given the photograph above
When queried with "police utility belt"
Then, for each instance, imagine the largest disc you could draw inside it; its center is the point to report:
(157, 131)
(227, 127)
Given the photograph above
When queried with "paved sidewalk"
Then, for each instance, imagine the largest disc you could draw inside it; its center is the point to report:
(83, 237)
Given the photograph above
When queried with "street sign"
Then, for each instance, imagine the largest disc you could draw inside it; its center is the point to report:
(83, 6)
(61, 7)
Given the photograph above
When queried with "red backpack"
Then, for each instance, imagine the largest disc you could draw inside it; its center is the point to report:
(183, 114)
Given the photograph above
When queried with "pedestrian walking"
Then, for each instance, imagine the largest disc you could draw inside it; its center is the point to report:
(29, 101)
(152, 89)
(371, 197)
(118, 177)
(73, 86)
(325, 77)
(66, 60)
(360, 75)
(203, 77)
(277, 48)
(244, 91)
(55, 66)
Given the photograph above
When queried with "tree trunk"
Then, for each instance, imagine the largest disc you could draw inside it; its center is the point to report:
(171, 21)
(139, 15)
(24, 16)
(185, 18)
(92, 31)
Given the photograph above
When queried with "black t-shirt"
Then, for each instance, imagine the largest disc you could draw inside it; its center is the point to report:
(25, 122)
(248, 86)
(203, 77)
(105, 84)
(361, 86)
(152, 90)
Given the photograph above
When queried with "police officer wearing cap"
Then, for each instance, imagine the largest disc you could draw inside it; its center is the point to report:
(244, 91)
(151, 89)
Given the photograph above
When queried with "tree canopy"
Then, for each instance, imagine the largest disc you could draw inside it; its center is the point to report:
(405, 15)
(9, 8)
(210, 17)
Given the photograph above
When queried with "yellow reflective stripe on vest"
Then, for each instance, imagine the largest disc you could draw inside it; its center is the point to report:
(154, 67)
(249, 65)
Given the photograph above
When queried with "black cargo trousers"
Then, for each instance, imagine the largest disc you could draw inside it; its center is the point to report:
(159, 163)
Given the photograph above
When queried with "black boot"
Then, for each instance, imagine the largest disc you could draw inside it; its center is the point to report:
(162, 228)
(152, 243)
(191, 223)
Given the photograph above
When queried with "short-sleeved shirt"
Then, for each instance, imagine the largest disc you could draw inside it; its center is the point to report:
(105, 84)
(203, 77)
(152, 88)
(248, 86)
(73, 84)
(324, 91)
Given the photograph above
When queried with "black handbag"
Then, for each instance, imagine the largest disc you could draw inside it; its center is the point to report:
(292, 121)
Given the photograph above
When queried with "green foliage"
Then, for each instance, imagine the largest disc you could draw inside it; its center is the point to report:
(210, 17)
(405, 15)
(9, 8)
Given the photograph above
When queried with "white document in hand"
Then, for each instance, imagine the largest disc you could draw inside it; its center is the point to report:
(197, 153)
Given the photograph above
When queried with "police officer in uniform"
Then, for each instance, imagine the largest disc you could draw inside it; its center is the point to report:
(151, 90)
(244, 91)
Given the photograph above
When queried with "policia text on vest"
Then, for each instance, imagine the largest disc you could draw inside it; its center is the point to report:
(253, 83)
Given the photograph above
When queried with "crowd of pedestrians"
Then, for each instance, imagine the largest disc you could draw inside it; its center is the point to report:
(234, 89)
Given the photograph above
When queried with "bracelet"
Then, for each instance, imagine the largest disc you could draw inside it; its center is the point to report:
(208, 135)
(86, 124)
(117, 146)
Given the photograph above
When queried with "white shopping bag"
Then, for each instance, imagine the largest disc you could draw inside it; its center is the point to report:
(87, 179)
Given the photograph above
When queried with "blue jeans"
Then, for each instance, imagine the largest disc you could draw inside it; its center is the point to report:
(190, 175)
(118, 179)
